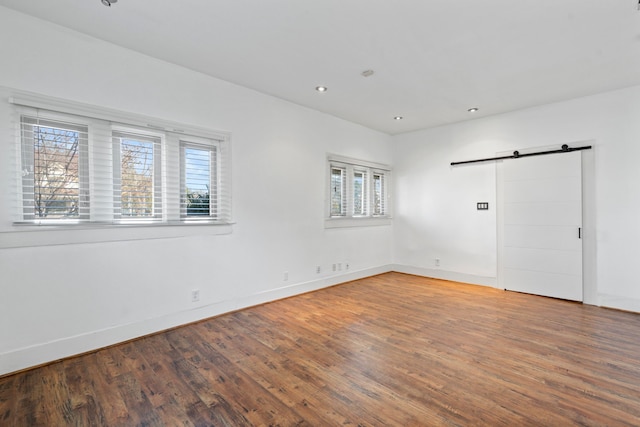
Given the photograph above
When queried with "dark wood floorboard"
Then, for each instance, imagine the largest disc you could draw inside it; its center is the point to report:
(392, 349)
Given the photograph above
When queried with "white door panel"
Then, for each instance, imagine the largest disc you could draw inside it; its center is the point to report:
(542, 212)
(540, 283)
(542, 237)
(542, 190)
(544, 260)
(554, 167)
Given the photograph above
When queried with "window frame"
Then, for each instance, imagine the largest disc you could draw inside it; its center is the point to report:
(367, 215)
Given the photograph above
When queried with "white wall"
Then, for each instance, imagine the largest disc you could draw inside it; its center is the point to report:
(436, 212)
(58, 300)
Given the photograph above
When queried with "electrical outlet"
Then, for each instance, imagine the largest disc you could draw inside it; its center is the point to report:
(195, 295)
(437, 262)
(318, 269)
(286, 276)
(339, 266)
(334, 267)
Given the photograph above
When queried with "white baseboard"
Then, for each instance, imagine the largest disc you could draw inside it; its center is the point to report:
(619, 303)
(39, 354)
(446, 275)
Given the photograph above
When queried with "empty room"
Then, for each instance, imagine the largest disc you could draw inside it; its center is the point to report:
(278, 213)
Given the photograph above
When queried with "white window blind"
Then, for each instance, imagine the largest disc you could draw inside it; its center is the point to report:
(338, 191)
(360, 198)
(84, 164)
(137, 176)
(379, 199)
(54, 169)
(199, 197)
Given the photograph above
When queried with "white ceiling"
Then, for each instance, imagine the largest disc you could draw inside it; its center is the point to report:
(433, 59)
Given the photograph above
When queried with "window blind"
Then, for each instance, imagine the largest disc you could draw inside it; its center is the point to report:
(54, 169)
(360, 190)
(338, 191)
(379, 194)
(137, 177)
(199, 181)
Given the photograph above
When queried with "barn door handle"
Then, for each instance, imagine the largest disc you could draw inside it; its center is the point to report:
(579, 232)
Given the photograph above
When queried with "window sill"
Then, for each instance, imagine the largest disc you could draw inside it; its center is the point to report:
(356, 222)
(23, 236)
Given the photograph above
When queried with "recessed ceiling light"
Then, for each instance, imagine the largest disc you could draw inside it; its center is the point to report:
(473, 110)
(398, 118)
(108, 3)
(321, 88)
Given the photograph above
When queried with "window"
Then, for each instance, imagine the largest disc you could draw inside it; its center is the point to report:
(378, 194)
(360, 207)
(199, 183)
(137, 176)
(54, 169)
(338, 191)
(358, 190)
(83, 164)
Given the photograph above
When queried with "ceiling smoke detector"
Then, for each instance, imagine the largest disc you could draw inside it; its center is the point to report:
(108, 3)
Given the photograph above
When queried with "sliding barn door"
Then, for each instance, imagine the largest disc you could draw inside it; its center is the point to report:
(542, 220)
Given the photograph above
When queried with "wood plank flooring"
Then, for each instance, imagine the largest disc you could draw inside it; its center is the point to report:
(392, 350)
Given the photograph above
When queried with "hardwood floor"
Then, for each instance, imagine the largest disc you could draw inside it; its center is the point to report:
(387, 350)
